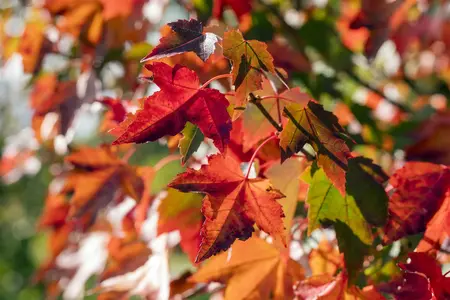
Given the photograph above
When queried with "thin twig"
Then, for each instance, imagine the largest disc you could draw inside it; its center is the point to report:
(275, 97)
(314, 139)
(160, 164)
(256, 152)
(215, 78)
(266, 114)
(128, 154)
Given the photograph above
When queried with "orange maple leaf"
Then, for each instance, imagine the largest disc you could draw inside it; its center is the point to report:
(254, 269)
(98, 177)
(326, 287)
(233, 204)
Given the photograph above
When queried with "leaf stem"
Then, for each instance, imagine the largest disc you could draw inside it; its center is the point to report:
(160, 164)
(274, 97)
(257, 103)
(215, 78)
(256, 152)
(128, 154)
(278, 97)
(279, 111)
(313, 138)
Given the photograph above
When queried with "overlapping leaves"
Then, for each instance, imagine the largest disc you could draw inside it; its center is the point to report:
(233, 204)
(98, 175)
(345, 191)
(179, 101)
(252, 274)
(312, 124)
(250, 59)
(184, 36)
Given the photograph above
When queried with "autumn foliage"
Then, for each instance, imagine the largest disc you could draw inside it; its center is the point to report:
(306, 170)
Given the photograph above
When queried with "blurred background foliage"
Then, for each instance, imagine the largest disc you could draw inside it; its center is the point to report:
(22, 248)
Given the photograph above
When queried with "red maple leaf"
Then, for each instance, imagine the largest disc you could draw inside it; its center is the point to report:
(179, 101)
(422, 279)
(233, 204)
(419, 203)
(240, 7)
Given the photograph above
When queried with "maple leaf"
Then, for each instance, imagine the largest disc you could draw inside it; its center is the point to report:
(216, 64)
(62, 98)
(287, 58)
(375, 15)
(93, 19)
(326, 287)
(55, 217)
(125, 255)
(250, 59)
(312, 124)
(117, 108)
(33, 45)
(141, 209)
(415, 187)
(254, 270)
(240, 7)
(14, 165)
(327, 204)
(57, 242)
(116, 112)
(236, 141)
(76, 15)
(353, 248)
(233, 204)
(48, 94)
(321, 287)
(256, 127)
(286, 178)
(325, 259)
(364, 182)
(422, 279)
(181, 211)
(96, 180)
(431, 143)
(192, 138)
(181, 285)
(114, 9)
(184, 36)
(179, 101)
(146, 269)
(55, 211)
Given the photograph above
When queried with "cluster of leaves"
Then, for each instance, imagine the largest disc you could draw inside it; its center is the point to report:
(271, 160)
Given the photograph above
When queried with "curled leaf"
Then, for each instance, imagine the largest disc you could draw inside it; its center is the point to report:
(184, 36)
